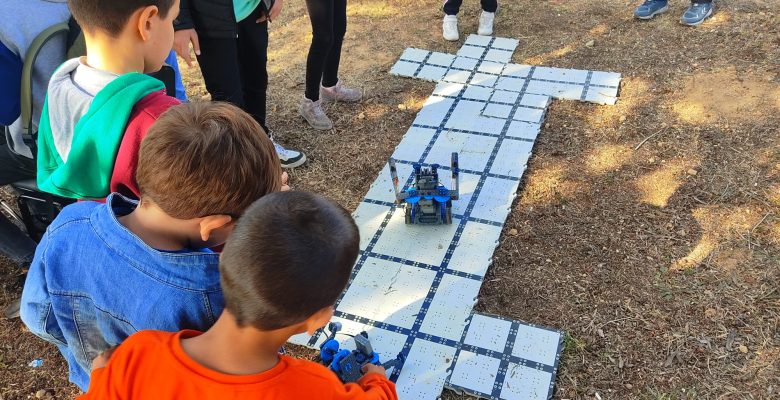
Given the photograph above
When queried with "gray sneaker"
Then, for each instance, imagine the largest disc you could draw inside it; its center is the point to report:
(340, 93)
(312, 112)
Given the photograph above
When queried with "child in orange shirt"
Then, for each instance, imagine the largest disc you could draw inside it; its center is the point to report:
(288, 259)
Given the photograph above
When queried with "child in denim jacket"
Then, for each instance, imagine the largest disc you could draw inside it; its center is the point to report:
(105, 271)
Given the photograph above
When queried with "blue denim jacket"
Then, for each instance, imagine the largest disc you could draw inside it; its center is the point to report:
(93, 283)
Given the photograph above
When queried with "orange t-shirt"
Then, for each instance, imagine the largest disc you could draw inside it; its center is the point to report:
(153, 365)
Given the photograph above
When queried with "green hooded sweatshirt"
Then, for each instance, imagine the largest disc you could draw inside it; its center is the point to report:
(77, 161)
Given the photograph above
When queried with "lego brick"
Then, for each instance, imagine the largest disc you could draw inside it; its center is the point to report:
(404, 68)
(401, 295)
(425, 371)
(451, 306)
(382, 188)
(431, 73)
(560, 74)
(468, 183)
(474, 252)
(440, 59)
(412, 54)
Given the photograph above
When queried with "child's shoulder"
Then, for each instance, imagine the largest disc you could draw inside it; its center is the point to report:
(155, 104)
(79, 211)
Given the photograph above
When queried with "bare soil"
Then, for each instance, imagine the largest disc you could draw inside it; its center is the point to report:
(648, 231)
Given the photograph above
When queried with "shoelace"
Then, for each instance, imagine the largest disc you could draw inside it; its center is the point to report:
(282, 151)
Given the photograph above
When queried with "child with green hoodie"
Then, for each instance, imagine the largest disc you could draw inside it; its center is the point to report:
(99, 107)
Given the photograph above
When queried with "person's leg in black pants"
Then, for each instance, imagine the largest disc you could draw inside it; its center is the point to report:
(452, 7)
(330, 72)
(219, 65)
(252, 65)
(322, 41)
(13, 242)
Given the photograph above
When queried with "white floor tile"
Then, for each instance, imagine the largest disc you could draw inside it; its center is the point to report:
(475, 372)
(524, 383)
(488, 332)
(451, 306)
(425, 371)
(412, 54)
(404, 68)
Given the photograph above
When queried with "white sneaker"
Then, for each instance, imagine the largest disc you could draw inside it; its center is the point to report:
(486, 23)
(450, 28)
(289, 158)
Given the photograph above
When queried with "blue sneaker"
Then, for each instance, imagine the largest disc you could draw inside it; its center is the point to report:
(651, 8)
(696, 14)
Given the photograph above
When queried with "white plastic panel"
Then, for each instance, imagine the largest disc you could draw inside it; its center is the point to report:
(414, 287)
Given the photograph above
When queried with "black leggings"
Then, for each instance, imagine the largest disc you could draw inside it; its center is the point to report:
(451, 7)
(328, 25)
(235, 69)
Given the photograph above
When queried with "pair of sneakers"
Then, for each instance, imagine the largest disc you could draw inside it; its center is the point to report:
(450, 26)
(312, 112)
(694, 15)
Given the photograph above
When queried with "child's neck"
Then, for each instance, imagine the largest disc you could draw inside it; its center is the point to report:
(116, 55)
(156, 228)
(233, 350)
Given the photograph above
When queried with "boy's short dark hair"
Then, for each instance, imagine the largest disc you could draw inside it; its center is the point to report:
(290, 256)
(112, 15)
(206, 158)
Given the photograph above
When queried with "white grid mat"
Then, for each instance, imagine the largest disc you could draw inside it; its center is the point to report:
(414, 287)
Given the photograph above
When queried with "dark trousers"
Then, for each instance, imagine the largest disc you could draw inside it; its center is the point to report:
(13, 242)
(235, 69)
(328, 25)
(451, 7)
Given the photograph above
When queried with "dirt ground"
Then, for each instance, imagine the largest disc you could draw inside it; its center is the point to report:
(648, 231)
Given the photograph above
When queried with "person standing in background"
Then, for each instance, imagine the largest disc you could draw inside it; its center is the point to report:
(450, 24)
(697, 12)
(329, 24)
(230, 40)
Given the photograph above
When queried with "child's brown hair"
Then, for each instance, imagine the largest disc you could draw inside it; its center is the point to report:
(206, 158)
(111, 16)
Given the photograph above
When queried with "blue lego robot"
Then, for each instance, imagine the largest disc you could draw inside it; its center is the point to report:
(348, 364)
(427, 201)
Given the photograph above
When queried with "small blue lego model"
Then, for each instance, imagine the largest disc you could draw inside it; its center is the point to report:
(427, 201)
(348, 364)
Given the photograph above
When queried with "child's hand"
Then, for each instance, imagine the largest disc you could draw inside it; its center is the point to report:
(373, 369)
(274, 12)
(285, 182)
(102, 359)
(181, 44)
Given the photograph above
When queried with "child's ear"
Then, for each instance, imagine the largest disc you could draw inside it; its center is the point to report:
(318, 320)
(145, 21)
(210, 224)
